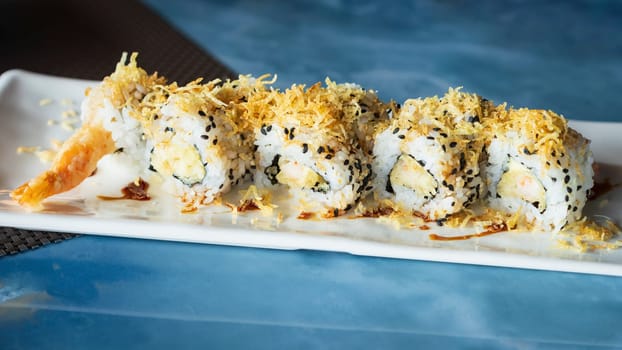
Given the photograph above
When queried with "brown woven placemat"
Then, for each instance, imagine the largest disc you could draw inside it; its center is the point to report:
(85, 39)
(15, 240)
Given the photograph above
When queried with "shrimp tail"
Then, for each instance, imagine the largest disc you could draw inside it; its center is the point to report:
(74, 162)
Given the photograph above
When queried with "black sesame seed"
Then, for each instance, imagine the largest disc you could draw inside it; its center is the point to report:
(430, 137)
(462, 161)
(211, 118)
(204, 137)
(320, 149)
(396, 130)
(443, 134)
(569, 189)
(469, 172)
(168, 128)
(346, 162)
(565, 171)
(269, 128)
(554, 179)
(286, 131)
(567, 179)
(201, 113)
(575, 208)
(450, 187)
(453, 144)
(444, 148)
(329, 156)
(567, 198)
(215, 142)
(208, 128)
(401, 137)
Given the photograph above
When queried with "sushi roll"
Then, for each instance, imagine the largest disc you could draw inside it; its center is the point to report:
(195, 141)
(111, 126)
(538, 167)
(304, 143)
(427, 158)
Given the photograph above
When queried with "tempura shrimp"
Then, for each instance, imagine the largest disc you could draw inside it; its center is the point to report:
(75, 161)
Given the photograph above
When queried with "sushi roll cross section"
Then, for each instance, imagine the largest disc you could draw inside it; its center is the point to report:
(306, 143)
(537, 166)
(427, 158)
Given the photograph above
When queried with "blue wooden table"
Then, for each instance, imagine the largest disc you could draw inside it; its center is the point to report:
(94, 292)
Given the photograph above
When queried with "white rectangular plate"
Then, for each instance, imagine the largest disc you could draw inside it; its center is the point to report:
(25, 123)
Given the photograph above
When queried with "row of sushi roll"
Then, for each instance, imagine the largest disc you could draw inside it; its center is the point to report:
(329, 145)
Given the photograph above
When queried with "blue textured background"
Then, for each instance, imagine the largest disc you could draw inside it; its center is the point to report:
(95, 292)
(560, 55)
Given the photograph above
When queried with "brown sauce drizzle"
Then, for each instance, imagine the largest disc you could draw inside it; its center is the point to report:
(305, 215)
(377, 212)
(422, 216)
(248, 205)
(134, 191)
(491, 229)
(601, 188)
